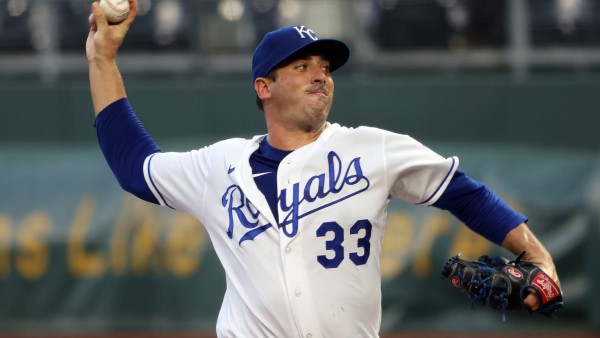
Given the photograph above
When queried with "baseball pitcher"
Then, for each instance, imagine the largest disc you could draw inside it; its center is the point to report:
(296, 216)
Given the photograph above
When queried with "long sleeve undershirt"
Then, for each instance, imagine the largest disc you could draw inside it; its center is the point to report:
(125, 145)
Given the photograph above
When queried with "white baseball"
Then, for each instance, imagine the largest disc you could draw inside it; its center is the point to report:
(115, 10)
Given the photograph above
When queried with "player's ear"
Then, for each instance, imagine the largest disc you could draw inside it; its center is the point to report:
(262, 87)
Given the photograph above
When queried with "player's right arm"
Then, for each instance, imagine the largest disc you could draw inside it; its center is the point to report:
(102, 45)
(122, 138)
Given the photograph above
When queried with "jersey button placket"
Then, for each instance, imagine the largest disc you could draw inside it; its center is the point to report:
(297, 281)
(299, 295)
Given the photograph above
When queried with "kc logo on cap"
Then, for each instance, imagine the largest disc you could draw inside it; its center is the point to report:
(302, 30)
(281, 44)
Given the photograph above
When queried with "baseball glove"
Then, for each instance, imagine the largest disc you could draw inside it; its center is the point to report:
(501, 284)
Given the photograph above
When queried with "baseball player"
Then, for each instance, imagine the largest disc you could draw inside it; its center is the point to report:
(296, 216)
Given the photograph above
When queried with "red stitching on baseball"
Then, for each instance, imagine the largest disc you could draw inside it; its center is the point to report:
(121, 11)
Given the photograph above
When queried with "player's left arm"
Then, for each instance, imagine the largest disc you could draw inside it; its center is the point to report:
(522, 239)
(485, 213)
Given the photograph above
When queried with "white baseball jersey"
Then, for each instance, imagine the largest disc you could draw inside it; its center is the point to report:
(315, 271)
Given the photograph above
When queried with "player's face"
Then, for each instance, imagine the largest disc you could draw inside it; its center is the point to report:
(303, 91)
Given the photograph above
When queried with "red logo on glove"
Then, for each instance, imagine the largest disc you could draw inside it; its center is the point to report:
(545, 286)
(455, 281)
(516, 273)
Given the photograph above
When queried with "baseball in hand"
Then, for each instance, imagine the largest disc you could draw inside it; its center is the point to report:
(115, 10)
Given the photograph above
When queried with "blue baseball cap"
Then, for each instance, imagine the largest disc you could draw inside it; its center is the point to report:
(278, 45)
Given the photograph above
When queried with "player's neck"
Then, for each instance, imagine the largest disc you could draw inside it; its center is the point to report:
(283, 139)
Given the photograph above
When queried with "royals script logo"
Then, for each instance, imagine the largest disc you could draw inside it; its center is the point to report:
(340, 182)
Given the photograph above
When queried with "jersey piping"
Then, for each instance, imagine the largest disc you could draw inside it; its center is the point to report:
(445, 181)
(152, 184)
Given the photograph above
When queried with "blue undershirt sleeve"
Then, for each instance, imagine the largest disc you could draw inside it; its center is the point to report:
(479, 208)
(125, 145)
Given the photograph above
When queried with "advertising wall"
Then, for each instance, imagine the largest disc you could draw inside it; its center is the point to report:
(78, 253)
